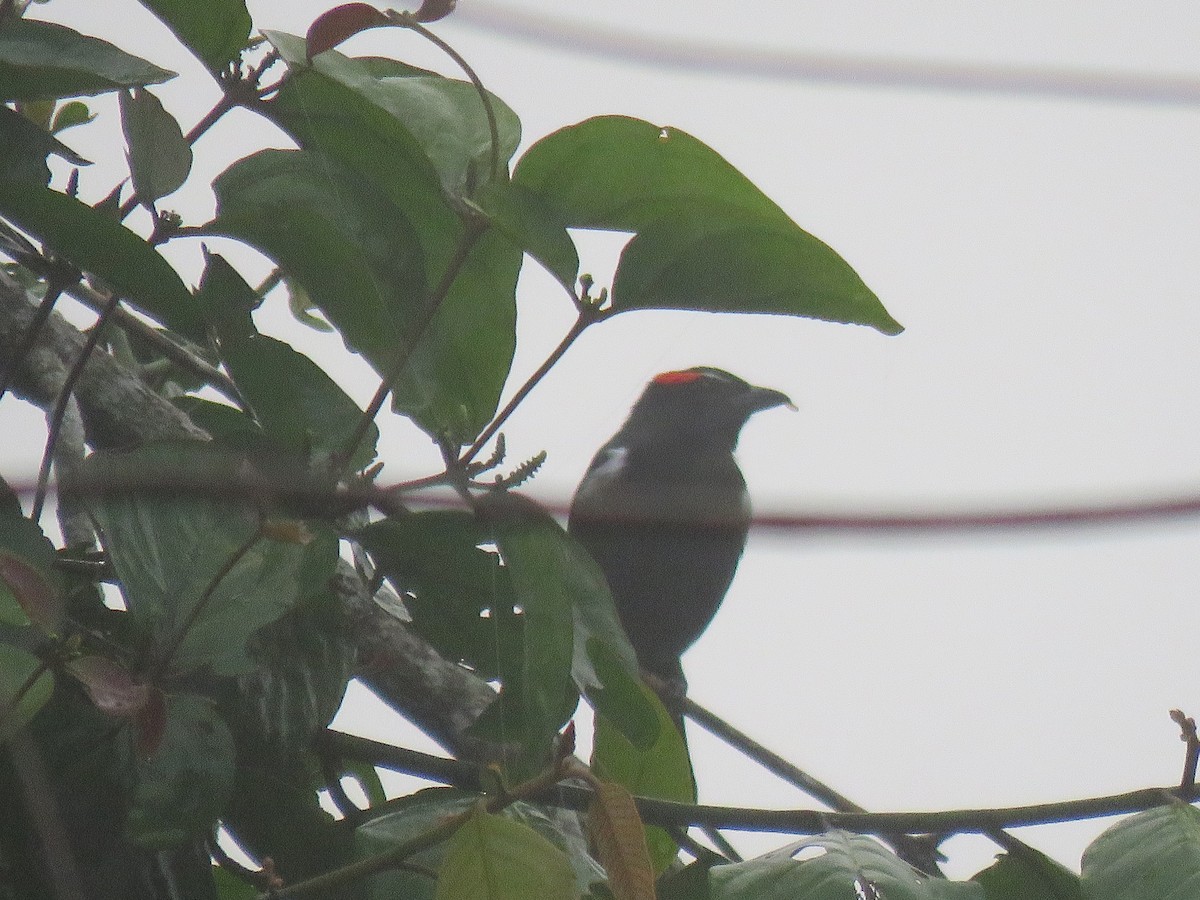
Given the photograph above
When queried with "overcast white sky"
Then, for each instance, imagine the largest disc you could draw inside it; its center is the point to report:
(1040, 251)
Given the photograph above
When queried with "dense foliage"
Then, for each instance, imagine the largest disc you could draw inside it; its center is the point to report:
(226, 561)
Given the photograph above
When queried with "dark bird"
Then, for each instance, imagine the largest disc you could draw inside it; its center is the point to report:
(663, 510)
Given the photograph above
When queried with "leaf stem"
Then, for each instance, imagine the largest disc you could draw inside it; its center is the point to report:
(202, 602)
(587, 316)
(406, 20)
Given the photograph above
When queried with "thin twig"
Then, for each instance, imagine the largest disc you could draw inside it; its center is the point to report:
(176, 353)
(60, 404)
(917, 851)
(788, 821)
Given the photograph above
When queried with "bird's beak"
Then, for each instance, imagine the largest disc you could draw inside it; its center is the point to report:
(767, 398)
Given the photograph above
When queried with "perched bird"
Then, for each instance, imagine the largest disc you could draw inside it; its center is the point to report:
(663, 510)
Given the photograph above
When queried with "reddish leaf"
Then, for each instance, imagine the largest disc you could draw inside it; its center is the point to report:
(432, 10)
(616, 829)
(111, 686)
(340, 23)
(36, 596)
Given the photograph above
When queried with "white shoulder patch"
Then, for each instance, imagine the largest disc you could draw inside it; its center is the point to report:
(607, 465)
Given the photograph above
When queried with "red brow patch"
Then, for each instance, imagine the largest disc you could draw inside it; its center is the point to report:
(678, 377)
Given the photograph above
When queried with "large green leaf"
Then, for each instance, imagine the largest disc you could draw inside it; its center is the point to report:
(215, 30)
(702, 259)
(351, 248)
(698, 220)
(452, 384)
(160, 158)
(850, 865)
(451, 586)
(183, 787)
(538, 697)
(98, 244)
(1154, 855)
(335, 120)
(495, 858)
(298, 404)
(620, 174)
(445, 116)
(276, 811)
(199, 575)
(302, 664)
(571, 637)
(41, 61)
(663, 770)
(529, 222)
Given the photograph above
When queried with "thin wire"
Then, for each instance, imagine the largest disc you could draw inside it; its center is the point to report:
(710, 58)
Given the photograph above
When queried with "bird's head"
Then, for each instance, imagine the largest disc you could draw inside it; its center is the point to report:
(703, 405)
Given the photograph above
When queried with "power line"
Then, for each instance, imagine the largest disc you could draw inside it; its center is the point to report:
(710, 58)
(263, 486)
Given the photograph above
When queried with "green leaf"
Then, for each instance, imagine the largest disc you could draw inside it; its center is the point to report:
(404, 819)
(445, 116)
(228, 426)
(352, 250)
(702, 260)
(1154, 855)
(526, 220)
(851, 865)
(542, 565)
(96, 243)
(662, 770)
(182, 788)
(191, 570)
(451, 586)
(275, 811)
(226, 299)
(160, 158)
(215, 31)
(24, 147)
(71, 114)
(1030, 876)
(451, 385)
(302, 664)
(620, 174)
(688, 883)
(41, 61)
(299, 406)
(335, 120)
(30, 586)
(699, 220)
(25, 687)
(231, 887)
(494, 858)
